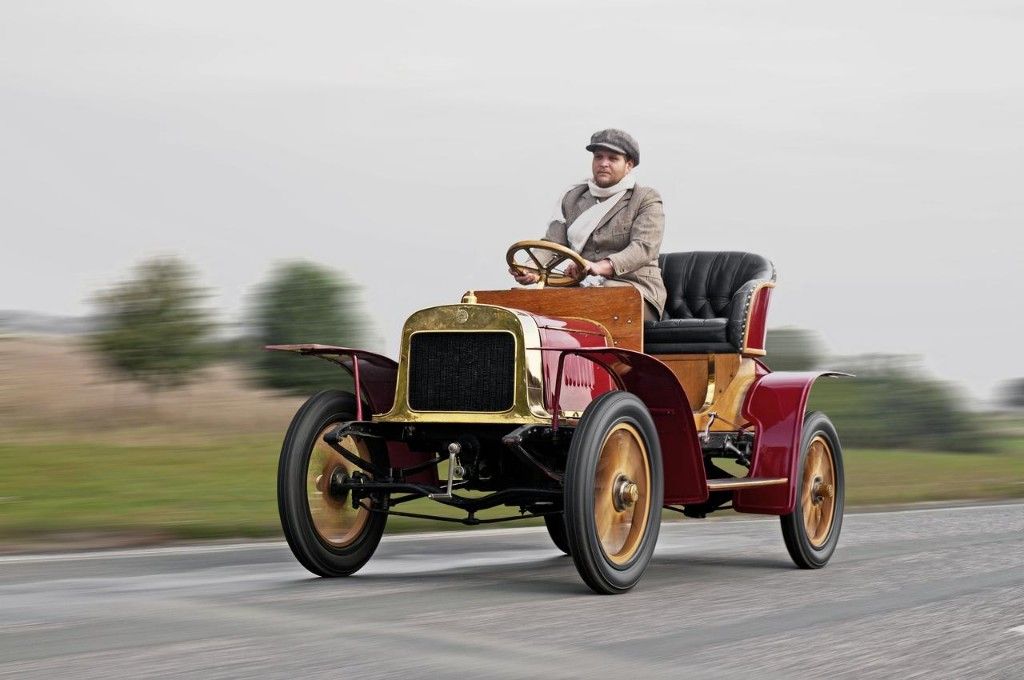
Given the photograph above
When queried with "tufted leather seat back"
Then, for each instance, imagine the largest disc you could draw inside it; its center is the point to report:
(709, 294)
(702, 285)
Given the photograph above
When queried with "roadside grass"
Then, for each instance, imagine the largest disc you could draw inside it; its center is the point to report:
(221, 489)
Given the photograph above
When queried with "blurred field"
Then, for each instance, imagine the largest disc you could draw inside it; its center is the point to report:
(226, 488)
(82, 456)
(53, 389)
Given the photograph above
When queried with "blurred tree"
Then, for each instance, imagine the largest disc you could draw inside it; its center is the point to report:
(793, 349)
(890, 404)
(301, 303)
(899, 411)
(152, 327)
(1011, 393)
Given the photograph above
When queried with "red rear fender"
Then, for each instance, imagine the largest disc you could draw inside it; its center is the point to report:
(776, 404)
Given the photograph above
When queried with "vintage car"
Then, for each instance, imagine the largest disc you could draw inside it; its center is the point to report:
(560, 402)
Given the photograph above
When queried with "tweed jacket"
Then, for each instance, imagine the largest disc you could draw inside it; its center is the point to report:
(629, 235)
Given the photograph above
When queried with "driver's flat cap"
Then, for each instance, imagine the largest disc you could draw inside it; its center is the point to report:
(618, 141)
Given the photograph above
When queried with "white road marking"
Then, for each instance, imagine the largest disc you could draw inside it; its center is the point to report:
(1018, 629)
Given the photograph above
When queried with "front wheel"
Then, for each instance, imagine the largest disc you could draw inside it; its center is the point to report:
(613, 492)
(328, 534)
(811, 531)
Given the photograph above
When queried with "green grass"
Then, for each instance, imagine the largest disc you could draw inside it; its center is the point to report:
(227, 489)
(222, 489)
(878, 477)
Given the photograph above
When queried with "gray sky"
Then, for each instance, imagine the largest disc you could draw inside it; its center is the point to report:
(873, 150)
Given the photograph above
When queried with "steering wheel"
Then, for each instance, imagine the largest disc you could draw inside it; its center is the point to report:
(546, 265)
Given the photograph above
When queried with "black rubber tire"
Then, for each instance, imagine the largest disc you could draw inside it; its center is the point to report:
(597, 570)
(556, 530)
(311, 551)
(805, 555)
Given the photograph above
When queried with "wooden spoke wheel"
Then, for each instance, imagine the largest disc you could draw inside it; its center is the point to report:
(547, 260)
(613, 492)
(811, 531)
(622, 493)
(327, 533)
(818, 496)
(335, 520)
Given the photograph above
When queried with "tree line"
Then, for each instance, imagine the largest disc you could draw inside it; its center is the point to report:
(154, 328)
(889, 403)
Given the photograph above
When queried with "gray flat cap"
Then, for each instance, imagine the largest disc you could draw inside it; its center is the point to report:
(618, 141)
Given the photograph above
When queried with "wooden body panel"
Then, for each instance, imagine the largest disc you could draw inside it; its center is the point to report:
(620, 309)
(714, 383)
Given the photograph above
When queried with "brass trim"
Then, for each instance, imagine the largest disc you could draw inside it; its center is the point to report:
(709, 395)
(746, 321)
(528, 402)
(744, 483)
(607, 333)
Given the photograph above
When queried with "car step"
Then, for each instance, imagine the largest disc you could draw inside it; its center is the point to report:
(731, 483)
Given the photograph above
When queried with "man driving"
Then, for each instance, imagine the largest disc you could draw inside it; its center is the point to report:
(615, 224)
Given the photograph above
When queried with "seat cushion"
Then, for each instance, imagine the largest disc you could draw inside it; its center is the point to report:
(689, 348)
(686, 330)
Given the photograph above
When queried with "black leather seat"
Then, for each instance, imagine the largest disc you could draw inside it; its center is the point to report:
(708, 298)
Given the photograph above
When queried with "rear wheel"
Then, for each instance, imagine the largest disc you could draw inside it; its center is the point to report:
(811, 531)
(556, 530)
(327, 533)
(613, 492)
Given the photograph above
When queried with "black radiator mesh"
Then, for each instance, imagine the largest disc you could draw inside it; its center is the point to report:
(462, 371)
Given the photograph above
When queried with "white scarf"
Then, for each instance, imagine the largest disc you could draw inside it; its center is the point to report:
(583, 226)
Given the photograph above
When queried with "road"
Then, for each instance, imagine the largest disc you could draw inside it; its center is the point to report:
(911, 594)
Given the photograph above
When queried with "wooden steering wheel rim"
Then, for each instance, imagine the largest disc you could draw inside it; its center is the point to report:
(544, 269)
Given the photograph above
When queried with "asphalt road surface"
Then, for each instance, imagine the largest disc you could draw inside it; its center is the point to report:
(936, 593)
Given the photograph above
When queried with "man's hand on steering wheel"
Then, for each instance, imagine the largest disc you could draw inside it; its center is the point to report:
(523, 278)
(600, 268)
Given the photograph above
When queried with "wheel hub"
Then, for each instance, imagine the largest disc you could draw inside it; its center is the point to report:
(821, 491)
(333, 485)
(625, 493)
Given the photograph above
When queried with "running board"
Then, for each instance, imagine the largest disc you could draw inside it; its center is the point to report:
(733, 483)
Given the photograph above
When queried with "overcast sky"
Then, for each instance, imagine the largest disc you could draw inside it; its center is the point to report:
(873, 150)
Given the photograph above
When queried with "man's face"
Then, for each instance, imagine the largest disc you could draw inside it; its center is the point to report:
(609, 167)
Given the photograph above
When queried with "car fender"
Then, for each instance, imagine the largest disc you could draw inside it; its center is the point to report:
(374, 375)
(655, 384)
(776, 404)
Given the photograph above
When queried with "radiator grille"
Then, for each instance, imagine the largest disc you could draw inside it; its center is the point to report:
(462, 371)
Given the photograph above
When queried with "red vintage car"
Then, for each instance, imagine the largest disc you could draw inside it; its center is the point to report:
(561, 402)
